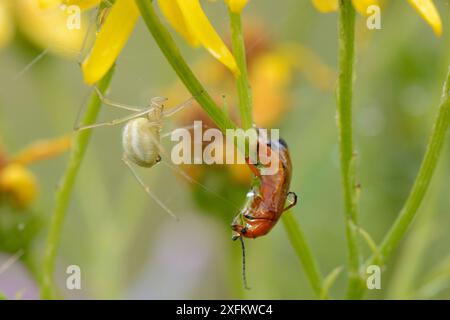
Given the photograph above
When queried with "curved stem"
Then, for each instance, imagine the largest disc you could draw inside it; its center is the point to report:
(64, 192)
(423, 178)
(176, 60)
(243, 85)
(421, 183)
(347, 159)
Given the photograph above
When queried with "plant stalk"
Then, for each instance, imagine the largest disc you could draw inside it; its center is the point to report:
(420, 186)
(243, 84)
(422, 182)
(345, 127)
(64, 191)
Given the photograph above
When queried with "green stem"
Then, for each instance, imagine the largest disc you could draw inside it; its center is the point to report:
(176, 60)
(243, 85)
(409, 261)
(344, 110)
(63, 194)
(301, 247)
(422, 181)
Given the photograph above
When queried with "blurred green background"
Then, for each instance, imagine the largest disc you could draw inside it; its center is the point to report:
(128, 248)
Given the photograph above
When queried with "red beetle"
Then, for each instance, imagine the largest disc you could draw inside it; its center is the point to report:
(267, 197)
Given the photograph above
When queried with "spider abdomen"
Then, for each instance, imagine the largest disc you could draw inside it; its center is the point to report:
(140, 141)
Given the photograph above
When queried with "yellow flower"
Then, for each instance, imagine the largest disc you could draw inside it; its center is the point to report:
(429, 13)
(43, 23)
(6, 24)
(83, 4)
(326, 5)
(362, 5)
(175, 16)
(332, 5)
(186, 16)
(236, 5)
(202, 31)
(425, 8)
(17, 182)
(44, 4)
(110, 40)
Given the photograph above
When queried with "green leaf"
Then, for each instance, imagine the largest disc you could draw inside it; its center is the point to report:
(329, 280)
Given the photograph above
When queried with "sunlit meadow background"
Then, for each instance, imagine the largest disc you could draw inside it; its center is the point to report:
(127, 247)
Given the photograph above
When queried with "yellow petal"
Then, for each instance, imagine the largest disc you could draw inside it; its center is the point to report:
(429, 13)
(6, 24)
(205, 33)
(83, 4)
(19, 184)
(173, 14)
(41, 150)
(326, 5)
(362, 5)
(48, 29)
(44, 4)
(110, 40)
(236, 5)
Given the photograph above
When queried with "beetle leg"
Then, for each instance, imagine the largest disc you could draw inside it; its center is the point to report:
(293, 202)
(253, 168)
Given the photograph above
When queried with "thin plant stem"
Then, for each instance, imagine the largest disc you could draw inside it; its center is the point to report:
(303, 251)
(421, 183)
(245, 108)
(184, 72)
(345, 127)
(243, 85)
(64, 192)
(409, 261)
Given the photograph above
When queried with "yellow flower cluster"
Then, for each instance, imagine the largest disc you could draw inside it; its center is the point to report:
(41, 23)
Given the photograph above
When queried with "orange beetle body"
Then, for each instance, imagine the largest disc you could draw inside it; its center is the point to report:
(266, 200)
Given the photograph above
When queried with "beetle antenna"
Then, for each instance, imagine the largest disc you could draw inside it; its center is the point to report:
(244, 275)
